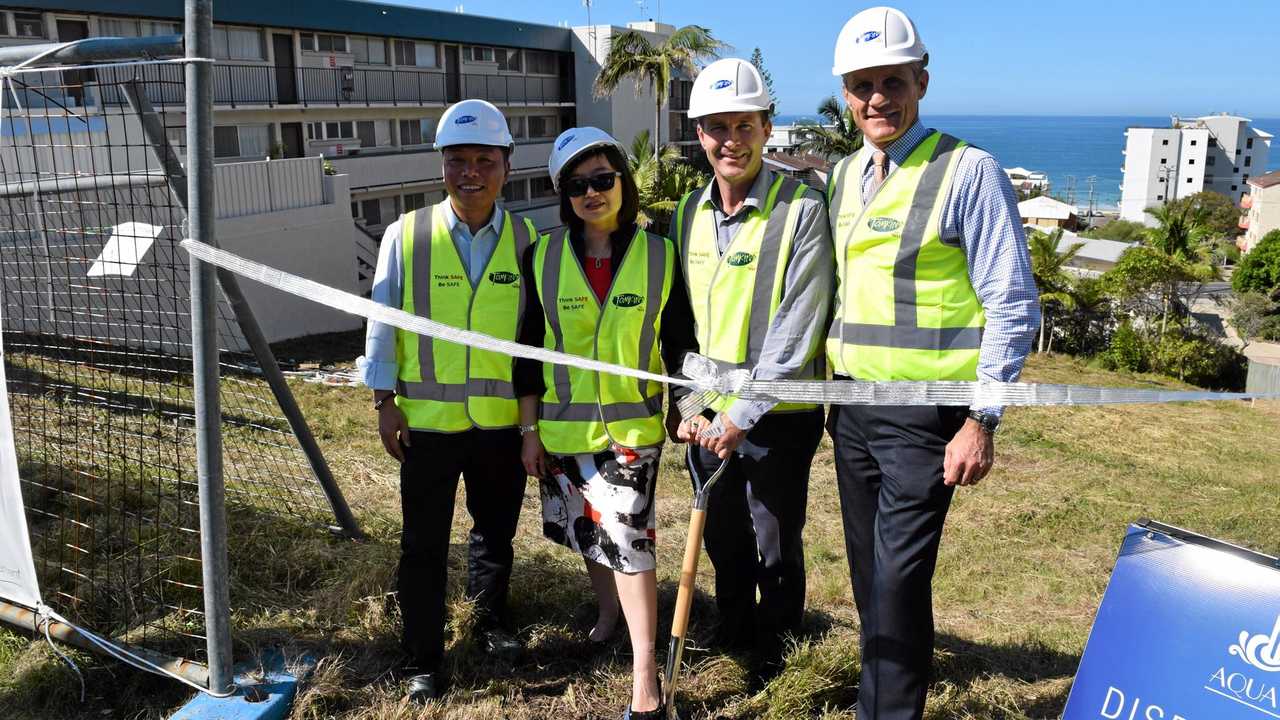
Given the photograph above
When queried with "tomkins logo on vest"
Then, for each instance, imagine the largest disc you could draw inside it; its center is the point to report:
(739, 259)
(503, 277)
(626, 300)
(883, 224)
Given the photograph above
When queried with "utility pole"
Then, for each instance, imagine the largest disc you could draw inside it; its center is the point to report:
(1071, 189)
(595, 49)
(1092, 179)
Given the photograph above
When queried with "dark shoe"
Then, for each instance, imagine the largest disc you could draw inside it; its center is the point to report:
(501, 644)
(422, 689)
(658, 713)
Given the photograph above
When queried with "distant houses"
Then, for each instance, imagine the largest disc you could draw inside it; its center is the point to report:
(1028, 181)
(1218, 153)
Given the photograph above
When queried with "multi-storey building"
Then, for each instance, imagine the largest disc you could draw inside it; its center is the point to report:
(1262, 208)
(1215, 152)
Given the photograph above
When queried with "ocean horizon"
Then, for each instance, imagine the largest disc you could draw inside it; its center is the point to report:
(1062, 146)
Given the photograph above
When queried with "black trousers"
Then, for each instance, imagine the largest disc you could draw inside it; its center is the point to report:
(489, 462)
(889, 471)
(755, 518)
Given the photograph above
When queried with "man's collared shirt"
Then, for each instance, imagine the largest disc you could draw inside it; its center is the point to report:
(378, 366)
(981, 211)
(800, 323)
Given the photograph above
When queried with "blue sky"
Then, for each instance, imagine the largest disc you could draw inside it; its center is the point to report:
(1085, 57)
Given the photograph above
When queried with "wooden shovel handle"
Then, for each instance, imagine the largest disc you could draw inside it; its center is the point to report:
(688, 572)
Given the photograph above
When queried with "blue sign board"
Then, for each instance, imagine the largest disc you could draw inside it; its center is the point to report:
(1189, 629)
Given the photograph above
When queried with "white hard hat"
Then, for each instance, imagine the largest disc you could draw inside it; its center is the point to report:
(573, 142)
(473, 122)
(728, 85)
(877, 36)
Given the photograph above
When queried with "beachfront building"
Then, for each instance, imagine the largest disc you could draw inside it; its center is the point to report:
(1027, 181)
(1046, 212)
(1217, 153)
(1262, 207)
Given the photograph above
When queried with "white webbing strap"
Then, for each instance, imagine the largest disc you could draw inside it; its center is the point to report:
(701, 373)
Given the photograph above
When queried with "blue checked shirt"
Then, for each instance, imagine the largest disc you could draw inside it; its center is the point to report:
(981, 211)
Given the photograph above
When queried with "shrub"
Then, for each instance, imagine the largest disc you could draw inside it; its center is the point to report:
(1200, 360)
(1259, 270)
(1128, 350)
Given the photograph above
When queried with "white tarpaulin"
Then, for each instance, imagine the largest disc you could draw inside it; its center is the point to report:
(17, 569)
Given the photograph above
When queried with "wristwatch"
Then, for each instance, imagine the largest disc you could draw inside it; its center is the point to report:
(377, 404)
(989, 422)
(525, 429)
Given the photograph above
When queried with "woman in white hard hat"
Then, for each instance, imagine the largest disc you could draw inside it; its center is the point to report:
(605, 289)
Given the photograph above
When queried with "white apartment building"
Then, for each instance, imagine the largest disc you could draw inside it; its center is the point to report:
(630, 110)
(1262, 206)
(1214, 152)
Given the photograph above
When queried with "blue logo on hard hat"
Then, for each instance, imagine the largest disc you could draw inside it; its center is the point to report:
(868, 36)
(465, 119)
(565, 141)
(721, 84)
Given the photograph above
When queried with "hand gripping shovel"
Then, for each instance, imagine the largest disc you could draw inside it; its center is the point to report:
(688, 572)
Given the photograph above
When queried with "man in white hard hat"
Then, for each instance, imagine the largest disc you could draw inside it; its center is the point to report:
(933, 283)
(445, 410)
(756, 252)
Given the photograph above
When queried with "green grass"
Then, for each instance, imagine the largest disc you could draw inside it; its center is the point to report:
(1024, 562)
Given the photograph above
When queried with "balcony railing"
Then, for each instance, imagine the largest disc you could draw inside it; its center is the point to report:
(268, 85)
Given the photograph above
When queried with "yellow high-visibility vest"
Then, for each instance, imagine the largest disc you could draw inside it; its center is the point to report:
(735, 296)
(584, 411)
(906, 309)
(444, 386)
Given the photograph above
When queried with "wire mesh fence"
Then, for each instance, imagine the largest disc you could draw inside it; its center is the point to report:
(97, 336)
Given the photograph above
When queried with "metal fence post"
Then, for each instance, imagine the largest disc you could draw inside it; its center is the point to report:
(204, 347)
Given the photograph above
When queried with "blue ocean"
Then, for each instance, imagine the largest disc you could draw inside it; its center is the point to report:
(1061, 146)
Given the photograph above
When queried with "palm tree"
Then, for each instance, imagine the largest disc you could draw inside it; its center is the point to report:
(1048, 268)
(1181, 234)
(632, 55)
(838, 137)
(661, 181)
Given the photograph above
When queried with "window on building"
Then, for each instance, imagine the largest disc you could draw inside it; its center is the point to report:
(1191, 161)
(235, 141)
(124, 27)
(371, 212)
(515, 191)
(1188, 181)
(539, 62)
(510, 60)
(541, 187)
(1213, 142)
(478, 53)
(421, 131)
(1248, 160)
(1237, 153)
(1159, 197)
(1235, 187)
(1211, 160)
(1164, 142)
(367, 133)
(1163, 160)
(414, 201)
(323, 42)
(372, 51)
(1193, 143)
(237, 44)
(28, 25)
(543, 126)
(340, 130)
(516, 124)
(1235, 171)
(417, 54)
(1248, 143)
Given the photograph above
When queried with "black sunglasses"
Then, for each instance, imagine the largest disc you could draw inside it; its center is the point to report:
(577, 186)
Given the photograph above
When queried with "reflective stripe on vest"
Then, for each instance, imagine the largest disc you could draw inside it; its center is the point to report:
(735, 296)
(443, 386)
(906, 308)
(583, 411)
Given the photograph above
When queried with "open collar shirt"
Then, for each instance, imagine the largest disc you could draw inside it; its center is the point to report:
(980, 214)
(378, 367)
(799, 326)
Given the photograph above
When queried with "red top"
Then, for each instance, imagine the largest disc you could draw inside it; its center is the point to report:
(599, 275)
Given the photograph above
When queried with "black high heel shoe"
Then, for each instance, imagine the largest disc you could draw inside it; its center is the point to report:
(658, 713)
